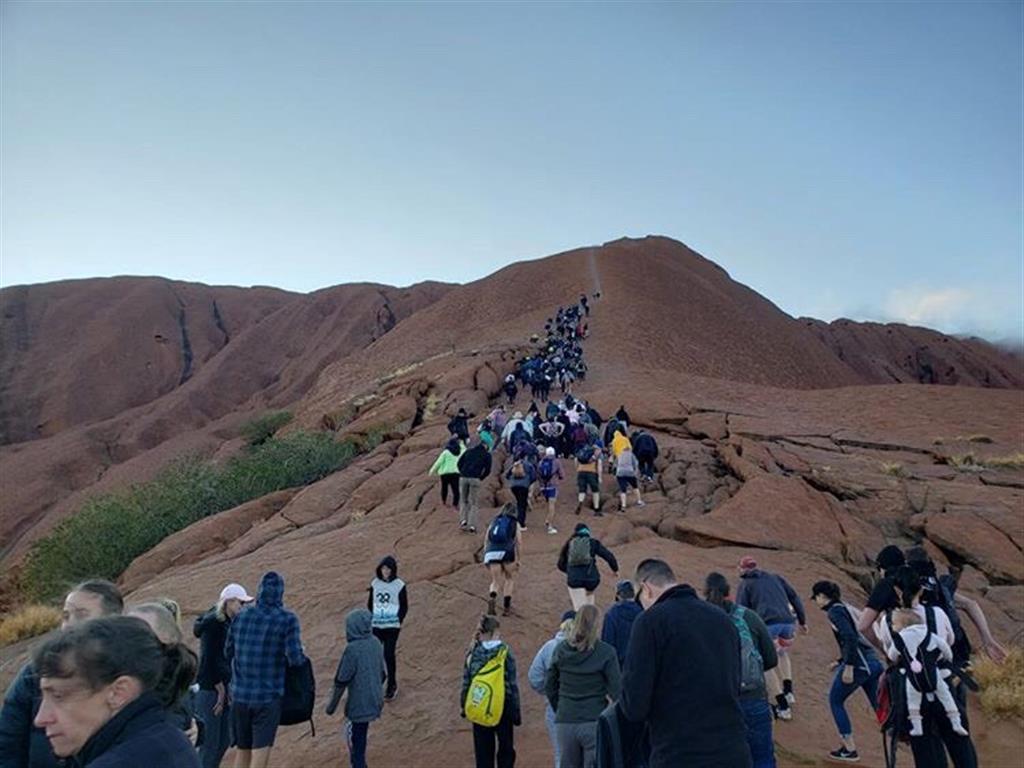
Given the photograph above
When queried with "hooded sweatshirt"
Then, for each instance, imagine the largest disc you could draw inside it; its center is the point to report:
(586, 576)
(579, 683)
(447, 462)
(475, 463)
(361, 671)
(770, 596)
(388, 600)
(262, 641)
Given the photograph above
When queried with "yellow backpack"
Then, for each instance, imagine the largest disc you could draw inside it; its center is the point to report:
(485, 700)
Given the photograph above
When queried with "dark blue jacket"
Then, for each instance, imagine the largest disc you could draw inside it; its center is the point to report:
(22, 745)
(770, 596)
(138, 735)
(618, 623)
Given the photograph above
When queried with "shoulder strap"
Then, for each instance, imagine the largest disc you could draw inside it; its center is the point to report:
(896, 639)
(929, 616)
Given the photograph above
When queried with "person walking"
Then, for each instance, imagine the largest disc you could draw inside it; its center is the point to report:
(262, 641)
(626, 469)
(582, 678)
(588, 477)
(645, 448)
(502, 552)
(618, 621)
(361, 670)
(388, 602)
(578, 561)
(446, 466)
(459, 425)
(538, 677)
(490, 664)
(520, 477)
(682, 676)
(548, 470)
(474, 466)
(758, 655)
(776, 602)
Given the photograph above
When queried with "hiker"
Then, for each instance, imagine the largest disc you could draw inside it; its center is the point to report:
(538, 676)
(619, 442)
(551, 431)
(548, 469)
(588, 477)
(490, 696)
(446, 466)
(757, 656)
(459, 425)
(262, 641)
(361, 672)
(23, 744)
(474, 466)
(388, 602)
(645, 448)
(502, 551)
(106, 685)
(510, 388)
(626, 469)
(692, 708)
(578, 561)
(775, 601)
(214, 674)
(883, 596)
(487, 435)
(582, 678)
(498, 418)
(858, 666)
(520, 477)
(618, 621)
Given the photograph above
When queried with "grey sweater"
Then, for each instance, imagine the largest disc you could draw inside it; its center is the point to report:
(579, 683)
(361, 671)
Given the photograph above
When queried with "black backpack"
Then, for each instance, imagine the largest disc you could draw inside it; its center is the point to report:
(299, 695)
(585, 454)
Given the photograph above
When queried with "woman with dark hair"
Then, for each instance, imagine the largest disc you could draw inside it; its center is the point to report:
(106, 687)
(489, 652)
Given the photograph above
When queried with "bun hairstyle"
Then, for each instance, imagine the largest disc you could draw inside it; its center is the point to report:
(907, 584)
(716, 589)
(488, 626)
(102, 650)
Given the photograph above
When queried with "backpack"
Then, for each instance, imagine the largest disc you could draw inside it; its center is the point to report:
(579, 553)
(939, 591)
(502, 532)
(485, 699)
(585, 454)
(751, 663)
(299, 695)
(925, 681)
(518, 470)
(546, 469)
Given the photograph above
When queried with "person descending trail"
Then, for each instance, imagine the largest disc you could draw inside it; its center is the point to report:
(626, 469)
(446, 466)
(588, 477)
(645, 448)
(548, 470)
(578, 561)
(520, 477)
(388, 601)
(538, 677)
(490, 696)
(502, 553)
(474, 467)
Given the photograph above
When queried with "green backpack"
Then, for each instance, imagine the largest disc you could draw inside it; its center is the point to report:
(579, 552)
(751, 663)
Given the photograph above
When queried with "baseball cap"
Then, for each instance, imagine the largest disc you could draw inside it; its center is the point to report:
(235, 592)
(549, 452)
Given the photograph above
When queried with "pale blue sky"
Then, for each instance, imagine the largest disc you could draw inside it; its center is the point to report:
(844, 159)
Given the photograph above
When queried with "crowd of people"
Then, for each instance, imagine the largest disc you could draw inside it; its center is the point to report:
(665, 677)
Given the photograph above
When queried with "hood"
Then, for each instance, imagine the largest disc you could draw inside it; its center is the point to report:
(391, 563)
(357, 624)
(271, 594)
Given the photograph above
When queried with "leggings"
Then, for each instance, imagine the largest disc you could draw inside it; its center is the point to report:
(522, 494)
(450, 481)
(389, 639)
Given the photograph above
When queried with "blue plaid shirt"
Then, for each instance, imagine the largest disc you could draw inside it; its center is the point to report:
(263, 640)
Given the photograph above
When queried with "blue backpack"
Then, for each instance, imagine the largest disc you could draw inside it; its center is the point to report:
(502, 533)
(546, 470)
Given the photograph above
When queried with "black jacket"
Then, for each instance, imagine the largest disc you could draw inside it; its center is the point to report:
(683, 677)
(214, 667)
(459, 426)
(854, 649)
(645, 446)
(476, 462)
(22, 745)
(586, 576)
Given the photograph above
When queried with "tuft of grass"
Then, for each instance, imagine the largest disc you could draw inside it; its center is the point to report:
(258, 431)
(1002, 685)
(894, 468)
(972, 463)
(1012, 461)
(979, 439)
(28, 621)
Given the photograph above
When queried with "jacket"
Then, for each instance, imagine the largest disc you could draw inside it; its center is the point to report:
(379, 597)
(586, 576)
(22, 745)
(475, 661)
(214, 668)
(361, 671)
(771, 596)
(538, 672)
(644, 445)
(854, 649)
(626, 464)
(529, 475)
(579, 683)
(683, 677)
(619, 443)
(762, 642)
(447, 463)
(459, 426)
(262, 641)
(618, 623)
(475, 463)
(139, 735)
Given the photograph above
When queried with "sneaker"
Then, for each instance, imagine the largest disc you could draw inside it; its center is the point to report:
(784, 713)
(472, 529)
(844, 755)
(577, 510)
(390, 694)
(641, 503)
(791, 698)
(552, 530)
(598, 513)
(506, 611)
(462, 525)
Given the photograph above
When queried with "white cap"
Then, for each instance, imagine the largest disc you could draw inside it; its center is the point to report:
(549, 452)
(235, 592)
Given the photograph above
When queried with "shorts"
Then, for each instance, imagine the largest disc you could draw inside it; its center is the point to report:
(549, 492)
(256, 724)
(500, 556)
(782, 634)
(626, 482)
(587, 481)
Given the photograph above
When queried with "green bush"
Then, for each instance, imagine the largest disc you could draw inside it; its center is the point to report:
(111, 530)
(258, 431)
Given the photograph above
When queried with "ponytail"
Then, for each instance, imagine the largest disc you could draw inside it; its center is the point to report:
(716, 589)
(907, 584)
(179, 671)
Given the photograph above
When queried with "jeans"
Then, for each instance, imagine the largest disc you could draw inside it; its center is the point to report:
(549, 721)
(469, 488)
(758, 718)
(216, 729)
(484, 739)
(840, 692)
(389, 639)
(355, 735)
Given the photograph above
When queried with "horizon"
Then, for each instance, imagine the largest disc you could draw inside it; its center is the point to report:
(860, 162)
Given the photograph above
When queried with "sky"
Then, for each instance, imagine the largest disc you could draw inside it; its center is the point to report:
(861, 160)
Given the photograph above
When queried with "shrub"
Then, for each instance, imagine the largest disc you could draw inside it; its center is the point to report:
(258, 431)
(1002, 685)
(894, 468)
(28, 621)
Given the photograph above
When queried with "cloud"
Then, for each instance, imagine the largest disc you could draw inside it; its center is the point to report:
(941, 308)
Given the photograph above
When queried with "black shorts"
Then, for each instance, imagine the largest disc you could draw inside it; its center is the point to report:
(587, 481)
(626, 482)
(256, 724)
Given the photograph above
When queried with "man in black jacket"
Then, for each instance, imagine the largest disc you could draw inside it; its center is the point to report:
(474, 466)
(682, 676)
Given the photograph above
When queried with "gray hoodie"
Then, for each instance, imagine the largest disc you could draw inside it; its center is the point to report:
(361, 671)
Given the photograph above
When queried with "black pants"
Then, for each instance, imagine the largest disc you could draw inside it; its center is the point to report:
(938, 739)
(522, 494)
(484, 742)
(450, 480)
(646, 466)
(389, 639)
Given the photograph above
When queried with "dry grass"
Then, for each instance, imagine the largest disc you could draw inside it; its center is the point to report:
(971, 463)
(979, 439)
(28, 621)
(1012, 461)
(1002, 685)
(894, 468)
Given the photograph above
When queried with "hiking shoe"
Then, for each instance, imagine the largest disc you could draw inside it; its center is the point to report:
(843, 756)
(784, 713)
(390, 694)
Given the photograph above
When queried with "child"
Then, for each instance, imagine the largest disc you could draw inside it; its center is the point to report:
(361, 671)
(920, 644)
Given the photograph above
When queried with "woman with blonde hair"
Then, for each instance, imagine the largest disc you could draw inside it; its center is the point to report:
(583, 677)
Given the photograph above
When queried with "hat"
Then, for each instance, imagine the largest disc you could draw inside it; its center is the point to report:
(549, 452)
(235, 592)
(568, 616)
(625, 589)
(747, 563)
(517, 415)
